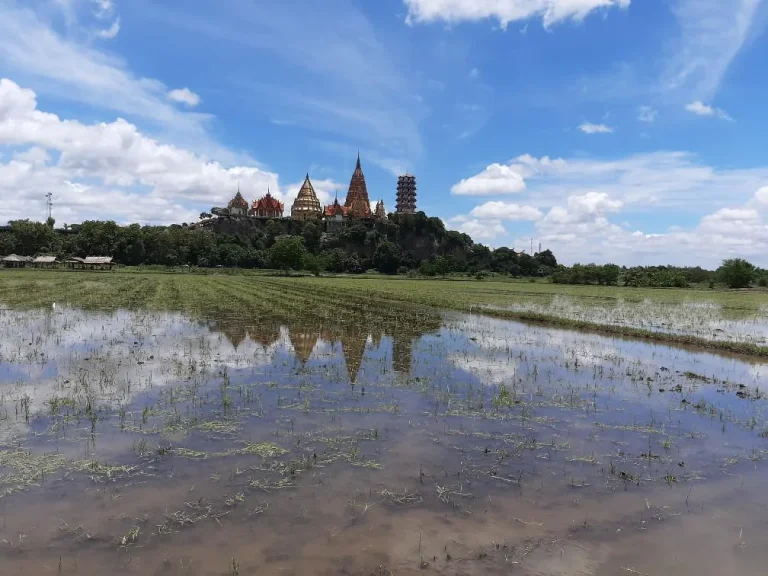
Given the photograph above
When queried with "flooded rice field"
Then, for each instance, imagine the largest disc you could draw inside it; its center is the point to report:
(137, 442)
(701, 318)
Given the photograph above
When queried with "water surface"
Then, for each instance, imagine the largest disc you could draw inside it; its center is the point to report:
(150, 443)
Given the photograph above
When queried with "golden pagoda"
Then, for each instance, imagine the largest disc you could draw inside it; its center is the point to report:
(306, 206)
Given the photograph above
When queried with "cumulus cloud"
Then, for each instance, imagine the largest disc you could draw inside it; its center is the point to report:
(701, 109)
(477, 229)
(589, 128)
(505, 211)
(184, 96)
(505, 11)
(495, 179)
(581, 197)
(107, 170)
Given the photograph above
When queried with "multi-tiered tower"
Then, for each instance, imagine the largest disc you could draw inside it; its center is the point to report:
(406, 194)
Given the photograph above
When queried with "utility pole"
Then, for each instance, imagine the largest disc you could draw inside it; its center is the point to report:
(531, 246)
(49, 205)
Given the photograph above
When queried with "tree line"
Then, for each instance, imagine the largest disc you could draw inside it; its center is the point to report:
(401, 244)
(733, 272)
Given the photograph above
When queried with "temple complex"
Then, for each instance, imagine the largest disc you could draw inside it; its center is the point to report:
(306, 206)
(406, 194)
(267, 207)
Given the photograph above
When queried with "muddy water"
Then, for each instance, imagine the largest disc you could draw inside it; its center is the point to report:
(147, 443)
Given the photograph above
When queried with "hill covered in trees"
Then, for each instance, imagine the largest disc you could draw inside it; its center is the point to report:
(397, 245)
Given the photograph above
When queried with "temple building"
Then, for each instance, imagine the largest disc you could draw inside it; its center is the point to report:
(406, 194)
(306, 206)
(380, 213)
(267, 207)
(335, 215)
(238, 206)
(357, 202)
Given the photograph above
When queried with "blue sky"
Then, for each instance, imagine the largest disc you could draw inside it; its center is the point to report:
(607, 130)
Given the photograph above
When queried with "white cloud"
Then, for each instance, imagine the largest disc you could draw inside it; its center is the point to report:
(184, 96)
(60, 66)
(589, 128)
(505, 211)
(107, 170)
(701, 109)
(672, 180)
(477, 229)
(111, 32)
(581, 197)
(647, 114)
(495, 179)
(505, 11)
(103, 8)
(712, 33)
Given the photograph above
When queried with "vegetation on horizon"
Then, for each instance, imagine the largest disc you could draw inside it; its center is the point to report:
(398, 245)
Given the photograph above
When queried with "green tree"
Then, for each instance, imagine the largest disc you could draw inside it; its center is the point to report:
(311, 235)
(444, 265)
(287, 253)
(31, 238)
(736, 272)
(387, 258)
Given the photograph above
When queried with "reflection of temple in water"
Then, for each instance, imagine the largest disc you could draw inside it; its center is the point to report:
(352, 341)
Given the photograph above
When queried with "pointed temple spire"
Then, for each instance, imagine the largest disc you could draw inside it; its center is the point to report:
(357, 197)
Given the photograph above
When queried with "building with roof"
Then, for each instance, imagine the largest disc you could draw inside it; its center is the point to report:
(15, 261)
(44, 262)
(267, 207)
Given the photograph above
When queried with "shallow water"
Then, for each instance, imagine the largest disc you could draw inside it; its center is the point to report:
(702, 319)
(150, 443)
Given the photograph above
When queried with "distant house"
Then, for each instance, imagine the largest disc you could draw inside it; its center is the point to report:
(74, 262)
(14, 261)
(99, 262)
(91, 262)
(44, 262)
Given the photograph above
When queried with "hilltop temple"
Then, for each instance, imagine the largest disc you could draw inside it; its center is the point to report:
(306, 206)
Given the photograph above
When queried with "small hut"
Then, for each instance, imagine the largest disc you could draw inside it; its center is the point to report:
(101, 262)
(74, 262)
(44, 262)
(14, 261)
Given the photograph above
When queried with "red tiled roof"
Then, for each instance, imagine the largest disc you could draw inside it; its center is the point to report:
(268, 203)
(335, 209)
